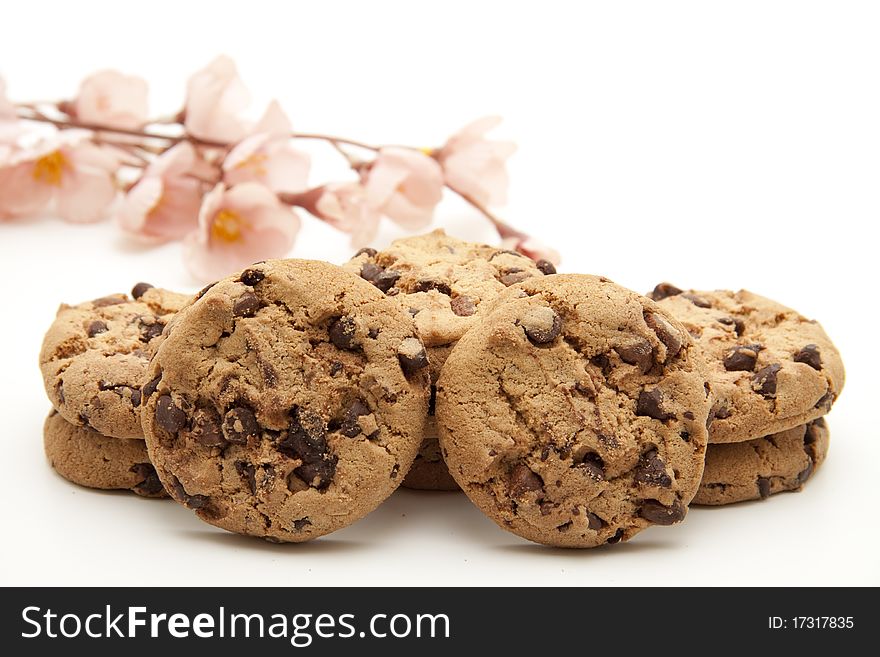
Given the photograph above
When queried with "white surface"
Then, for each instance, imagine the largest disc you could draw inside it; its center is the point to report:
(713, 146)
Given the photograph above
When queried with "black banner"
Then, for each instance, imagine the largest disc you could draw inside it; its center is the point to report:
(433, 621)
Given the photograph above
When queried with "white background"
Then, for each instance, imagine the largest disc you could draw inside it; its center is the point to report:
(709, 144)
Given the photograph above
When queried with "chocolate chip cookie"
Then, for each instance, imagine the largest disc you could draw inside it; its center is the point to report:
(770, 368)
(575, 413)
(287, 401)
(87, 458)
(756, 469)
(95, 355)
(446, 284)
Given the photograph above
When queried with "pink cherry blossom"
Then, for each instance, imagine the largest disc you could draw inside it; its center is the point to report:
(74, 174)
(474, 165)
(164, 204)
(407, 184)
(7, 109)
(349, 207)
(532, 248)
(238, 226)
(215, 97)
(267, 157)
(10, 128)
(112, 99)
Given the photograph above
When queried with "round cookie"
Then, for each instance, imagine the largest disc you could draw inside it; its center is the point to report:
(87, 458)
(447, 285)
(95, 355)
(770, 369)
(287, 401)
(756, 469)
(575, 414)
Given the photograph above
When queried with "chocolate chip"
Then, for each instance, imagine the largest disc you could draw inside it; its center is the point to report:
(616, 538)
(395, 470)
(151, 328)
(742, 358)
(668, 335)
(463, 306)
(811, 435)
(522, 480)
(373, 333)
(764, 380)
(428, 285)
(149, 483)
(826, 400)
(654, 512)
(248, 472)
(545, 267)
(204, 290)
(239, 424)
(206, 428)
(246, 305)
(412, 356)
(252, 276)
(350, 426)
(689, 415)
(698, 301)
(637, 353)
(651, 471)
(169, 416)
(514, 276)
(685, 436)
(306, 440)
(135, 397)
(541, 324)
(336, 367)
(764, 487)
(664, 290)
(386, 279)
(366, 250)
(112, 300)
(738, 325)
(809, 355)
(804, 474)
(302, 523)
(139, 289)
(318, 474)
(96, 328)
(650, 404)
(150, 387)
(594, 522)
(370, 271)
(593, 466)
(189, 501)
(343, 333)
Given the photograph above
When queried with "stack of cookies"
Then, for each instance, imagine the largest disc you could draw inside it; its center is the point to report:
(290, 399)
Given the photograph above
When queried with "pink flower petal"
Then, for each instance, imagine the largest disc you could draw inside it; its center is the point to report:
(264, 228)
(7, 109)
(20, 193)
(476, 166)
(176, 161)
(85, 196)
(274, 122)
(113, 99)
(215, 98)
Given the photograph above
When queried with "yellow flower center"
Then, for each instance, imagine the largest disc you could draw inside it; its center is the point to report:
(256, 162)
(49, 168)
(227, 226)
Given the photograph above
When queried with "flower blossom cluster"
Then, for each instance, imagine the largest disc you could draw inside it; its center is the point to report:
(230, 189)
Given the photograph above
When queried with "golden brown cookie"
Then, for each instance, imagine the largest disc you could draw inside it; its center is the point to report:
(770, 368)
(87, 458)
(756, 469)
(95, 355)
(446, 284)
(575, 413)
(287, 401)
